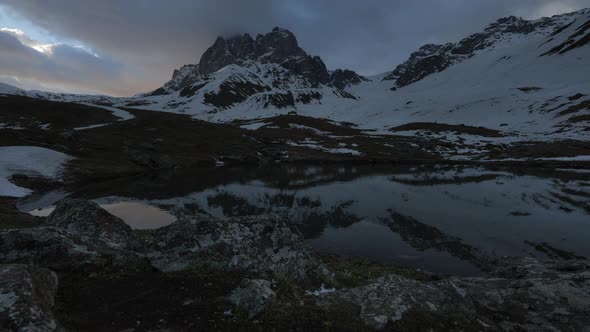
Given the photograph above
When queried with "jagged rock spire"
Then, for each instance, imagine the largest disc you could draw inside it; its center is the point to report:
(279, 46)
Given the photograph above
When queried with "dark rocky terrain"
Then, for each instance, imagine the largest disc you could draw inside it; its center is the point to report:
(256, 273)
(158, 141)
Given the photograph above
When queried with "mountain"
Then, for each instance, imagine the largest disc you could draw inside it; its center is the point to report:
(6, 89)
(525, 79)
(269, 71)
(432, 58)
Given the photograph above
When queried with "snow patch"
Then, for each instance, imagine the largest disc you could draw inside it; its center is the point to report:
(92, 126)
(307, 143)
(254, 126)
(7, 300)
(6, 89)
(121, 114)
(5, 126)
(576, 158)
(27, 160)
(320, 291)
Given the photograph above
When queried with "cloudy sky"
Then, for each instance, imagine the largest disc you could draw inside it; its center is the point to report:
(122, 47)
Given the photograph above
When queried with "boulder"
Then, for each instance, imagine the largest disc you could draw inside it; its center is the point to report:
(550, 295)
(261, 244)
(93, 224)
(387, 299)
(254, 296)
(60, 250)
(523, 294)
(27, 296)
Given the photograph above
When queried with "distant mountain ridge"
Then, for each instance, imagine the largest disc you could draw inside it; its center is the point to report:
(433, 58)
(525, 78)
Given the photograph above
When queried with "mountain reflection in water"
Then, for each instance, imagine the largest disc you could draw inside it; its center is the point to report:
(448, 219)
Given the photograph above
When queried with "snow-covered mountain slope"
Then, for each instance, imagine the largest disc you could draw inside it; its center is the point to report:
(249, 90)
(504, 32)
(527, 79)
(255, 76)
(6, 89)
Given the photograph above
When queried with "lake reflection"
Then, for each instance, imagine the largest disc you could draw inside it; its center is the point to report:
(444, 219)
(135, 214)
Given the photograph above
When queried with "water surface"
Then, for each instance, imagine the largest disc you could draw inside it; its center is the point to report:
(448, 219)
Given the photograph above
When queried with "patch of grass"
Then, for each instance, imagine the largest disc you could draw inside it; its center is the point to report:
(195, 299)
(147, 301)
(306, 315)
(35, 183)
(107, 269)
(11, 217)
(443, 127)
(144, 234)
(418, 320)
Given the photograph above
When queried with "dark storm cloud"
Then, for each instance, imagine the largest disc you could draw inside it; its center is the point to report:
(369, 36)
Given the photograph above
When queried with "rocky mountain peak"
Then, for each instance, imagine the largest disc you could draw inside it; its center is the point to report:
(433, 58)
(279, 46)
(281, 42)
(513, 24)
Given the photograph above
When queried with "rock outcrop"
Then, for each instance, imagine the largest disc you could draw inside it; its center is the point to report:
(253, 296)
(263, 245)
(279, 46)
(270, 61)
(522, 294)
(345, 78)
(518, 294)
(27, 296)
(59, 250)
(93, 224)
(78, 236)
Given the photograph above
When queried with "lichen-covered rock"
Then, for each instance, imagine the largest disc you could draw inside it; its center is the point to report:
(253, 295)
(27, 296)
(551, 296)
(263, 245)
(59, 250)
(386, 299)
(93, 224)
(528, 267)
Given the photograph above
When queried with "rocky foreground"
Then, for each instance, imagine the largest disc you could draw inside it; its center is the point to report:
(84, 269)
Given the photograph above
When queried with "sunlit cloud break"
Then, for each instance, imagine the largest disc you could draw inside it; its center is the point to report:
(27, 41)
(60, 67)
